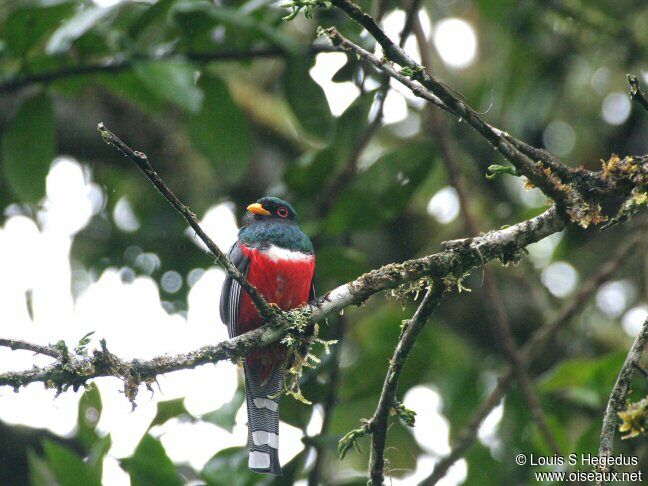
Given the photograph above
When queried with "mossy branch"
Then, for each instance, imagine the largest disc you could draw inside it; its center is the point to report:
(585, 197)
(71, 370)
(618, 398)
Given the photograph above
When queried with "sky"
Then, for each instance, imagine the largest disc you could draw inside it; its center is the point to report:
(35, 261)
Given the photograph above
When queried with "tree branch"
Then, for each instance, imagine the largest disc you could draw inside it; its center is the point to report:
(540, 339)
(112, 66)
(141, 160)
(459, 258)
(617, 400)
(635, 91)
(387, 402)
(573, 190)
(456, 106)
(75, 370)
(314, 477)
(15, 344)
(326, 202)
(451, 154)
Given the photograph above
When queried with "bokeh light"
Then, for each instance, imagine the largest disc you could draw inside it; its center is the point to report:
(124, 216)
(559, 137)
(616, 108)
(560, 278)
(338, 95)
(456, 42)
(634, 319)
(444, 205)
(122, 306)
(613, 297)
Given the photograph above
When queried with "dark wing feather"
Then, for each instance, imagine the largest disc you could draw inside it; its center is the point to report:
(231, 291)
(311, 295)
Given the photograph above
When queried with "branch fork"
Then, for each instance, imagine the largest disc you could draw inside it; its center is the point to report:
(587, 198)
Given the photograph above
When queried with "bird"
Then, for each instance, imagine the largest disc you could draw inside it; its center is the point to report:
(278, 258)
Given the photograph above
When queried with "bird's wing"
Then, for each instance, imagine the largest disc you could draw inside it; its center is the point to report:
(311, 295)
(231, 291)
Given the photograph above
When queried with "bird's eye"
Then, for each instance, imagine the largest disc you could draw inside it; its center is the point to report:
(282, 211)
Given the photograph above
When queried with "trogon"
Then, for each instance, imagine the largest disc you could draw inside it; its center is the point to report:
(277, 258)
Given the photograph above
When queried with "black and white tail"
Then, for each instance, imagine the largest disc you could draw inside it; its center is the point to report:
(263, 420)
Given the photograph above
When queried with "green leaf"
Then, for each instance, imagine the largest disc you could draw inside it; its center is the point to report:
(40, 474)
(340, 262)
(237, 20)
(229, 466)
(351, 125)
(26, 27)
(90, 408)
(169, 409)
(171, 81)
(152, 18)
(481, 464)
(314, 170)
(595, 374)
(385, 188)
(194, 24)
(28, 148)
(225, 416)
(128, 86)
(194, 18)
(220, 130)
(306, 98)
(75, 27)
(69, 468)
(150, 464)
(97, 454)
(310, 175)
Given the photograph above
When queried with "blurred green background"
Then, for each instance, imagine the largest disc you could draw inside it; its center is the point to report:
(230, 103)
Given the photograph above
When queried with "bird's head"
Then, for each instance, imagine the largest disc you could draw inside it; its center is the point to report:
(273, 209)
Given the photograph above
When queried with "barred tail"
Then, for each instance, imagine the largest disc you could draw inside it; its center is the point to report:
(263, 420)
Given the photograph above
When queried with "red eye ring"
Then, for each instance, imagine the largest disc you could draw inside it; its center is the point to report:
(282, 211)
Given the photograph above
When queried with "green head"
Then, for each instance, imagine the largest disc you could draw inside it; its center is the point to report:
(273, 208)
(273, 221)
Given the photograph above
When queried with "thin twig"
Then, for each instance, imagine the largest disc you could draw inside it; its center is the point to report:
(456, 106)
(378, 423)
(576, 192)
(345, 176)
(140, 159)
(334, 190)
(410, 18)
(518, 364)
(635, 91)
(540, 339)
(342, 180)
(314, 477)
(617, 400)
(15, 344)
(497, 138)
(387, 67)
(451, 155)
(112, 66)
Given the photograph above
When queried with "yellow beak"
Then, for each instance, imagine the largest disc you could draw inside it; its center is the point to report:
(256, 208)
